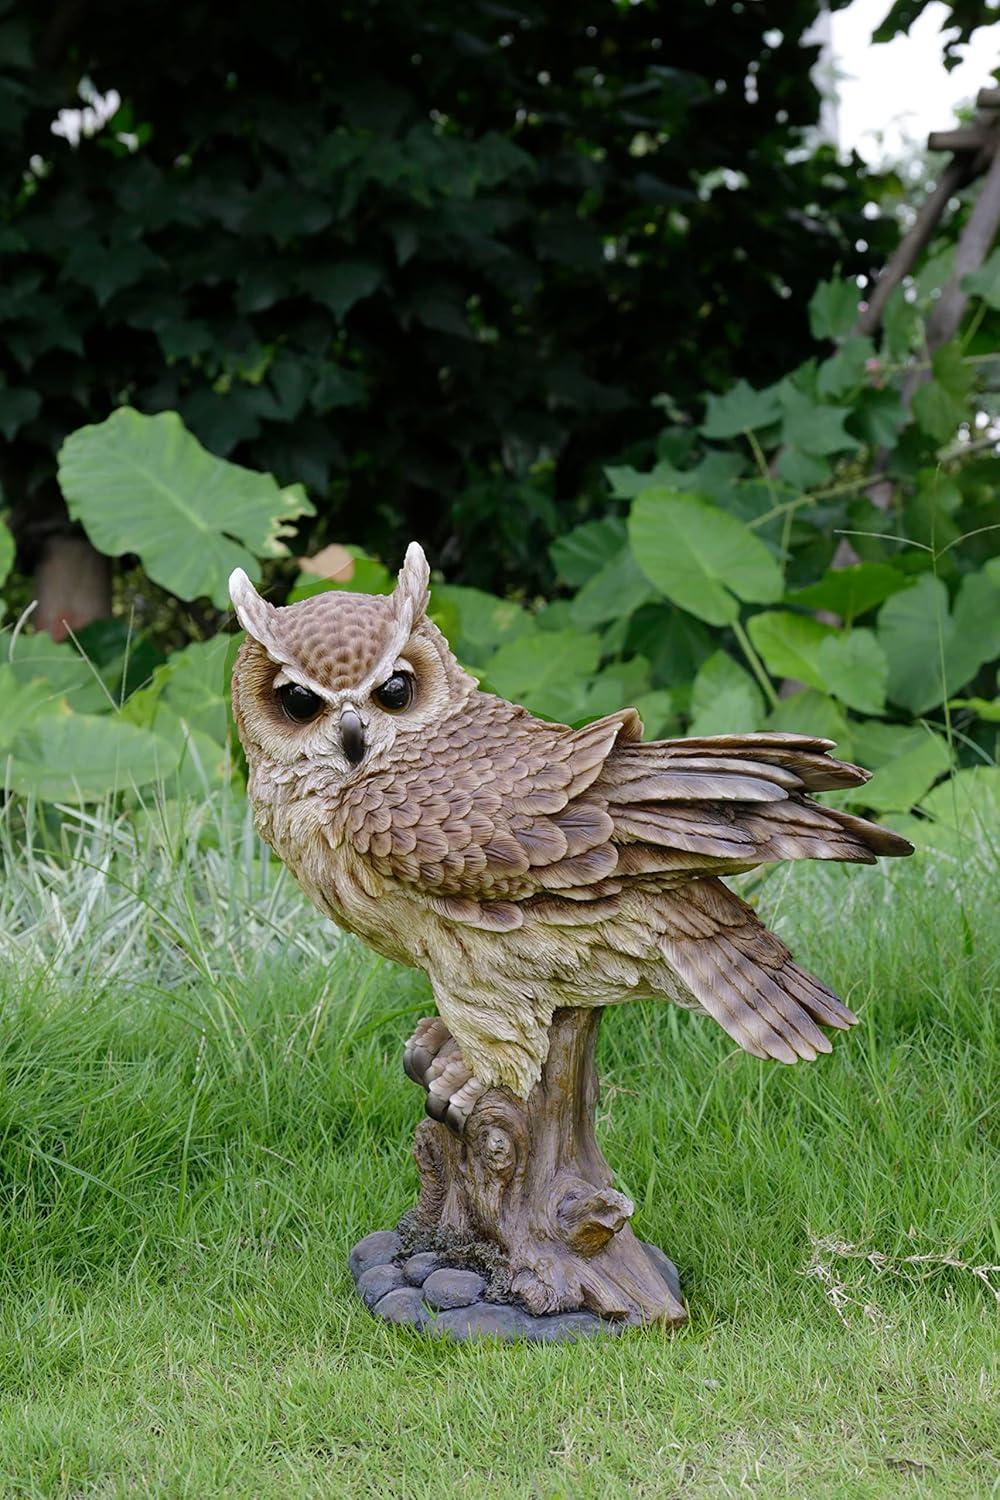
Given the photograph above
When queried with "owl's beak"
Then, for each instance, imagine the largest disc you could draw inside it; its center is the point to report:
(352, 736)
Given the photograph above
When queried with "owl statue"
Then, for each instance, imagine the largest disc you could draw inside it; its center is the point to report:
(525, 866)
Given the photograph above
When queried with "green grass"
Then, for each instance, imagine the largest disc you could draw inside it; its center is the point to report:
(201, 1111)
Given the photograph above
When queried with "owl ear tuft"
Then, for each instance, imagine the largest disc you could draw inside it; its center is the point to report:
(412, 592)
(255, 614)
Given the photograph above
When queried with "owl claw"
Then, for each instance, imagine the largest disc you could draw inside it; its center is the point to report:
(433, 1060)
(423, 1047)
(453, 1094)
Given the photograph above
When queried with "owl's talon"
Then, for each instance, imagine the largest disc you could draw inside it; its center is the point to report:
(461, 1105)
(430, 1036)
(453, 1094)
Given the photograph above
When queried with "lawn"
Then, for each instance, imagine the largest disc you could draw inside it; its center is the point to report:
(202, 1108)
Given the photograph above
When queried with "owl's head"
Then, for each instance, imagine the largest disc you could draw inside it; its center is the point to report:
(340, 678)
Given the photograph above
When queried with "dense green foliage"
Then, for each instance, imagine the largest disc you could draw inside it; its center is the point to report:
(202, 1109)
(711, 593)
(432, 260)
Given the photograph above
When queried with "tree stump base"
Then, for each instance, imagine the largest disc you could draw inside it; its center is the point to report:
(518, 1231)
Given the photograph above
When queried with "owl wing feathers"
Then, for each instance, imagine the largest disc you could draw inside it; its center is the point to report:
(744, 976)
(500, 808)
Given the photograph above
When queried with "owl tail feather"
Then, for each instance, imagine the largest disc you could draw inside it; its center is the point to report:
(745, 977)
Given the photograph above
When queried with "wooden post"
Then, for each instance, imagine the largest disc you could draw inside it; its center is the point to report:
(525, 1196)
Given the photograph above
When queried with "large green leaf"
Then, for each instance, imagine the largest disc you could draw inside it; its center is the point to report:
(64, 671)
(547, 673)
(82, 758)
(724, 699)
(700, 557)
(851, 591)
(618, 686)
(618, 588)
(849, 664)
(855, 670)
(22, 705)
(192, 686)
(146, 485)
(810, 712)
(484, 621)
(932, 652)
(583, 551)
(790, 644)
(899, 785)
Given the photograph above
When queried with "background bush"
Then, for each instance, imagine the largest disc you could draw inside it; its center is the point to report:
(542, 295)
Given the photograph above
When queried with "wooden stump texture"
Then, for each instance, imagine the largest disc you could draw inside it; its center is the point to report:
(525, 1196)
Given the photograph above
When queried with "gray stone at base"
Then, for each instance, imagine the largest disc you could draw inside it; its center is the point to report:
(376, 1281)
(449, 1288)
(559, 1328)
(374, 1250)
(483, 1320)
(404, 1305)
(419, 1266)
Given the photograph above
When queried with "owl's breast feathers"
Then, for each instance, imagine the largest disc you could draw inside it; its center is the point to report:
(589, 840)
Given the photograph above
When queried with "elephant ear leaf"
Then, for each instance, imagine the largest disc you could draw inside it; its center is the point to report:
(146, 485)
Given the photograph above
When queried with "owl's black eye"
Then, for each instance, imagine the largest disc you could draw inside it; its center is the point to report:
(298, 702)
(396, 692)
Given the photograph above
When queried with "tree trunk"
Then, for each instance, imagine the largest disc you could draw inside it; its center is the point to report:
(525, 1196)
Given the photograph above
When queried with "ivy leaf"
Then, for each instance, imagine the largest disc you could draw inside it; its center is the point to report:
(985, 282)
(879, 416)
(816, 429)
(627, 482)
(724, 699)
(340, 286)
(801, 470)
(937, 411)
(106, 269)
(6, 550)
(790, 644)
(902, 327)
(940, 404)
(740, 410)
(833, 309)
(855, 670)
(16, 408)
(845, 369)
(700, 557)
(146, 485)
(853, 590)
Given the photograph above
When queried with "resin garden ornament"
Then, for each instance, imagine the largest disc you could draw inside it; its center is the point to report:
(537, 873)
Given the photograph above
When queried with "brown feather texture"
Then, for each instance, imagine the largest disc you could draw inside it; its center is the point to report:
(526, 865)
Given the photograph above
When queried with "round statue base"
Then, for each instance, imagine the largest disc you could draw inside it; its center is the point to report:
(423, 1291)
